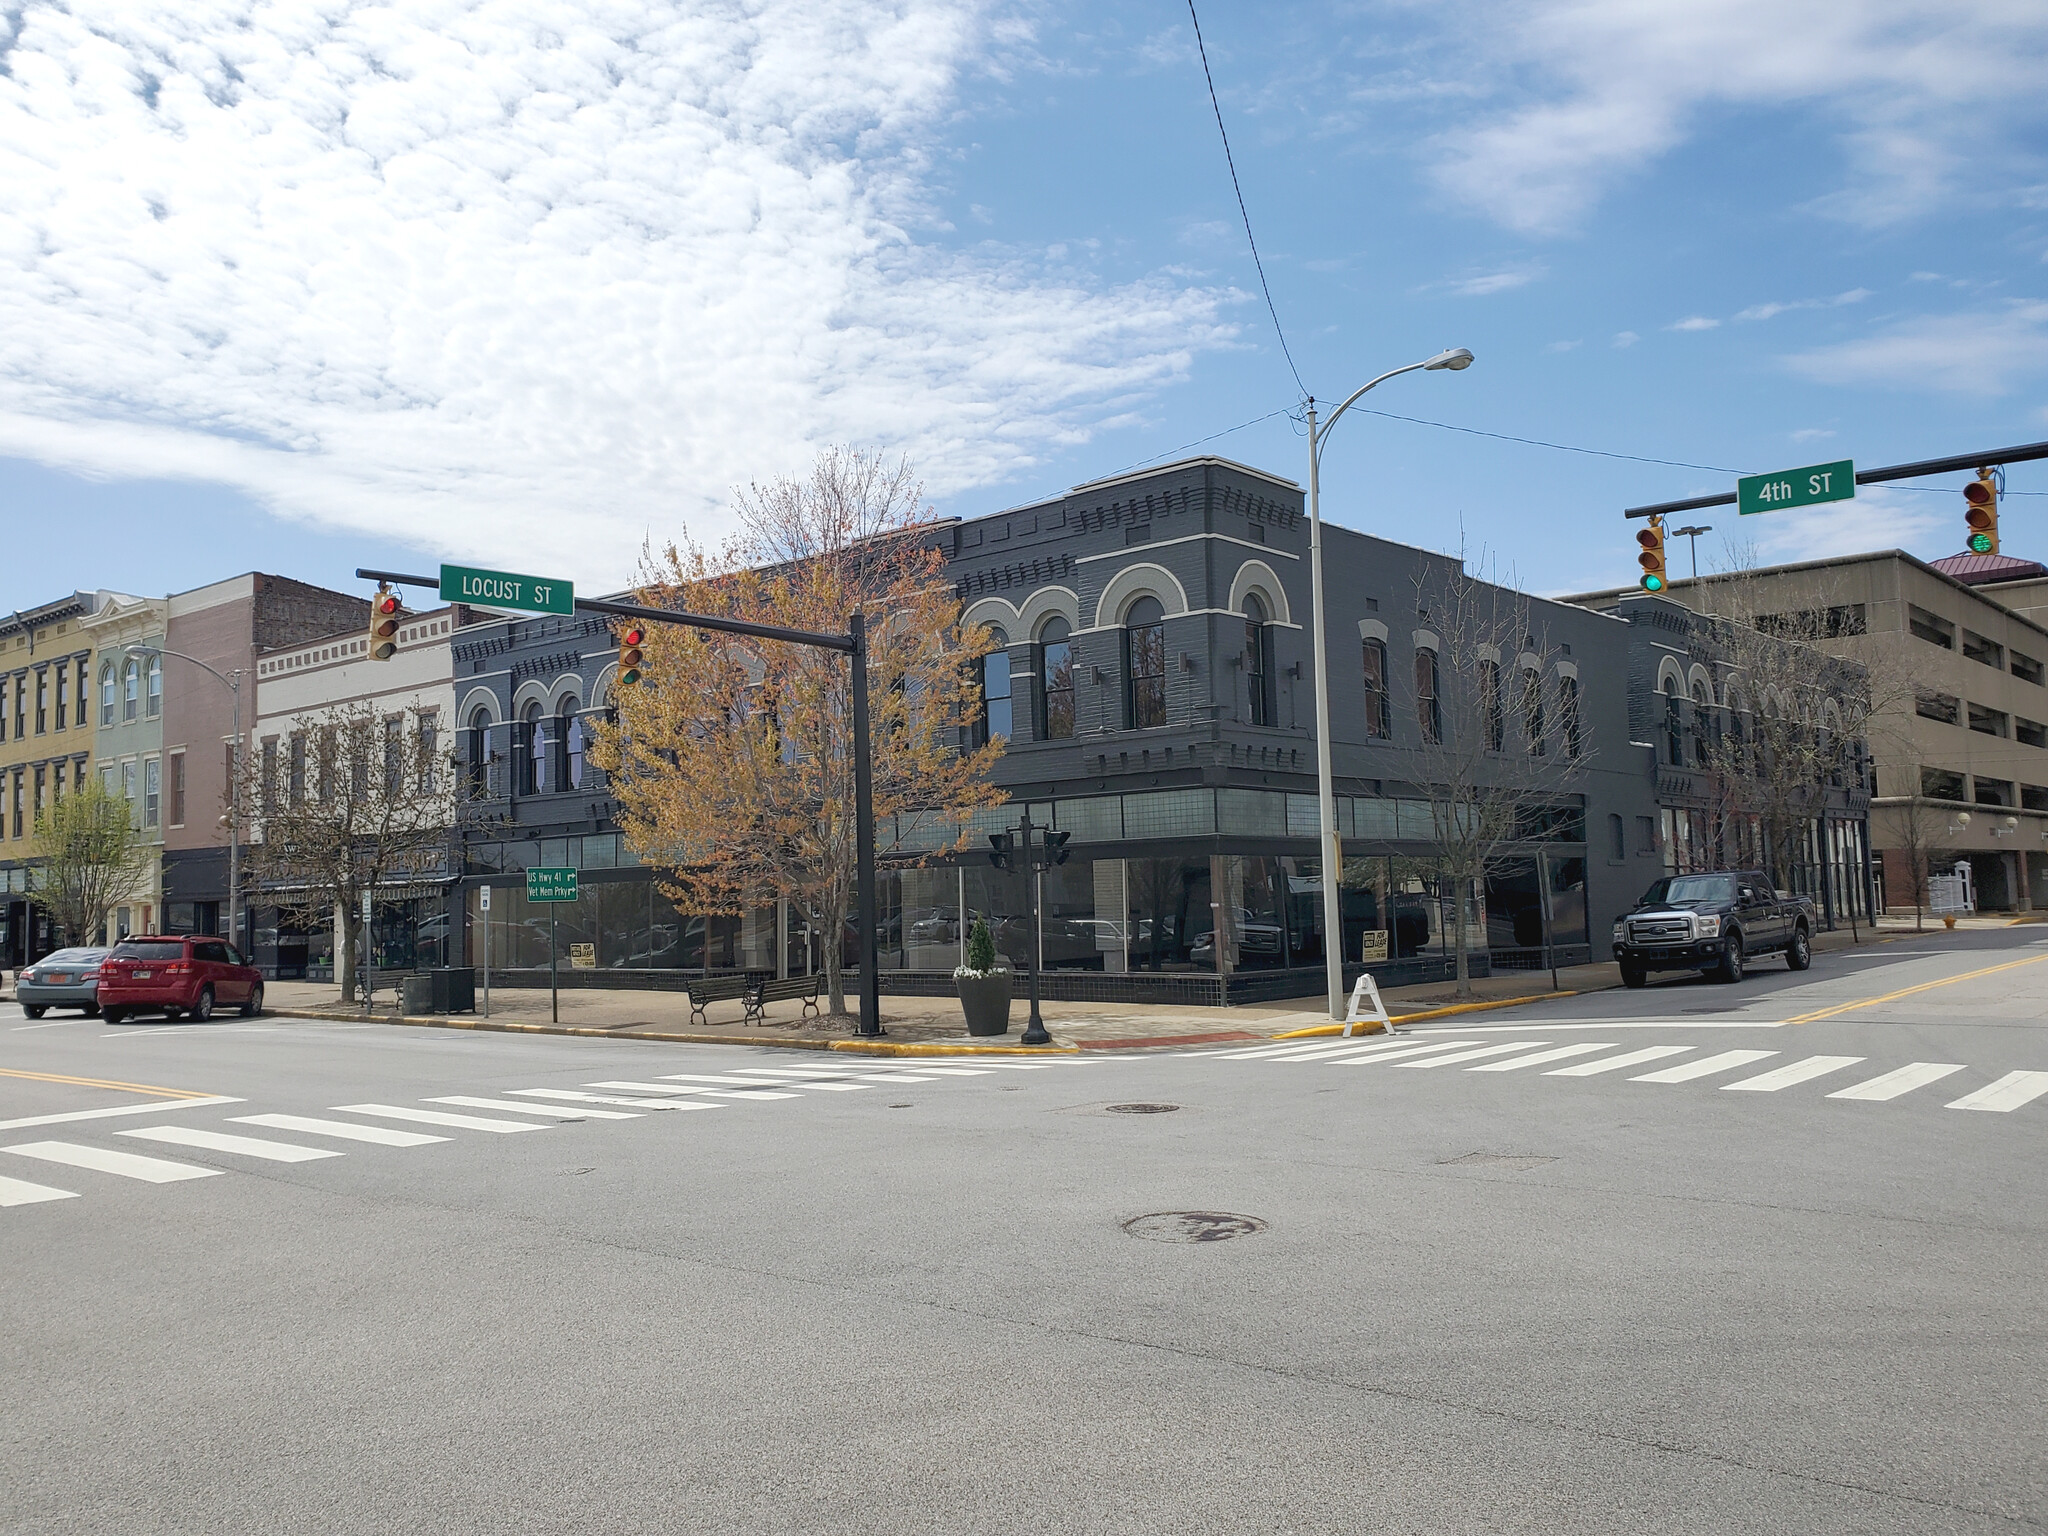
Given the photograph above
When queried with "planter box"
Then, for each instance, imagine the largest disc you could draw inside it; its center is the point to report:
(986, 1002)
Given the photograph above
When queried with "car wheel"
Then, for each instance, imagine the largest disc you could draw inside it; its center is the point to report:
(172, 1015)
(112, 1015)
(34, 1010)
(254, 1006)
(1634, 976)
(1799, 953)
(203, 1009)
(1730, 968)
(92, 1010)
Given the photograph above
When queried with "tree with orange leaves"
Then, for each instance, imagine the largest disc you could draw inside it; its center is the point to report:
(732, 759)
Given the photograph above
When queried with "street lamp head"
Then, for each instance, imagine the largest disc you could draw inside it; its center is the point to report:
(1458, 359)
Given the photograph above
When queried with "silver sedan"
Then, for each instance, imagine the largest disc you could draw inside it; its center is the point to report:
(68, 978)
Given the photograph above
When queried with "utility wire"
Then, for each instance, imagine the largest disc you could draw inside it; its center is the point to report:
(1284, 410)
(1229, 160)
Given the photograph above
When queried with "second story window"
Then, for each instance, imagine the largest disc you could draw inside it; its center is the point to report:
(529, 748)
(84, 697)
(577, 742)
(295, 786)
(558, 743)
(42, 702)
(1674, 727)
(429, 728)
(63, 697)
(1492, 712)
(1258, 660)
(995, 713)
(153, 688)
(131, 689)
(1568, 716)
(1429, 711)
(1379, 722)
(394, 756)
(152, 791)
(1145, 665)
(1056, 673)
(107, 694)
(1533, 724)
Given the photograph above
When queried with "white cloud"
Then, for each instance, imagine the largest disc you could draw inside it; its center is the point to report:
(1983, 353)
(1694, 323)
(1811, 434)
(1493, 282)
(1626, 338)
(1876, 519)
(1592, 91)
(1563, 346)
(520, 277)
(1770, 311)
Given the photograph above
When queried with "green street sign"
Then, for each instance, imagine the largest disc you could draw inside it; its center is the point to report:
(1796, 487)
(547, 884)
(502, 589)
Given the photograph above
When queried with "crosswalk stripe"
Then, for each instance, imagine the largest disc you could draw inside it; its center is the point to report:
(1902, 1081)
(1706, 1066)
(1253, 1052)
(1616, 1063)
(797, 1071)
(2008, 1093)
(1376, 1056)
(576, 1096)
(1538, 1058)
(376, 1135)
(21, 1192)
(127, 1165)
(1454, 1057)
(1310, 1052)
(1793, 1072)
(727, 1080)
(437, 1117)
(757, 1091)
(924, 1066)
(221, 1141)
(551, 1111)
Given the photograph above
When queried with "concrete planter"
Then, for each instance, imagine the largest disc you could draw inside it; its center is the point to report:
(986, 1002)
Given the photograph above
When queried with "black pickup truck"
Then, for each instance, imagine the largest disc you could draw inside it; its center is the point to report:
(1713, 923)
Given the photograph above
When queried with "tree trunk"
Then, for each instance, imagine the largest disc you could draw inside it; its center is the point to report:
(345, 924)
(1464, 965)
(835, 976)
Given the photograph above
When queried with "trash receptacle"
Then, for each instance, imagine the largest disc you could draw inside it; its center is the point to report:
(454, 989)
(415, 994)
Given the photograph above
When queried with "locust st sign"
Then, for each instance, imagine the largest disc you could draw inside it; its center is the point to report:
(503, 589)
(550, 884)
(1796, 487)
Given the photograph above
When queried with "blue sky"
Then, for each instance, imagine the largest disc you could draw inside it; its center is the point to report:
(529, 282)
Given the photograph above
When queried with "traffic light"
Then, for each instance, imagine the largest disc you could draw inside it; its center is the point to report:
(1652, 557)
(383, 623)
(1056, 848)
(630, 655)
(1981, 514)
(1002, 849)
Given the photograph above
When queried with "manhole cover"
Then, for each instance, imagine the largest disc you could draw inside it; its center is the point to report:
(1192, 1226)
(1139, 1109)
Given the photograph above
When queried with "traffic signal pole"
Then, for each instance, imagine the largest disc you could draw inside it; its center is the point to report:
(2025, 453)
(854, 644)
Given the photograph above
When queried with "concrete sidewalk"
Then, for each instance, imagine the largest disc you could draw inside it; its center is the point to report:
(935, 1023)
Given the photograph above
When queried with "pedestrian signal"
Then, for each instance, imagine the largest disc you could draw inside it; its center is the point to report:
(384, 609)
(630, 655)
(1002, 849)
(1981, 512)
(1652, 557)
(1056, 847)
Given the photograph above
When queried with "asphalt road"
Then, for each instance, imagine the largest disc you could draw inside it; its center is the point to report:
(1543, 1297)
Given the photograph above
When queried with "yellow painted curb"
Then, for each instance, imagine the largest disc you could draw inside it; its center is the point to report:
(1427, 1013)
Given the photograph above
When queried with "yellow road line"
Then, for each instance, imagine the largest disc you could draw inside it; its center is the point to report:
(94, 1082)
(1925, 986)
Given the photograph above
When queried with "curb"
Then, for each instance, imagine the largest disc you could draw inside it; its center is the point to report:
(1436, 1013)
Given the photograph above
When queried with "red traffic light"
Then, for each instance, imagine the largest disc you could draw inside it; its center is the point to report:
(1979, 493)
(387, 603)
(630, 654)
(384, 608)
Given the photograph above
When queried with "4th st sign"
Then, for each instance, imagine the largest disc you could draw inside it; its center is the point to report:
(1796, 487)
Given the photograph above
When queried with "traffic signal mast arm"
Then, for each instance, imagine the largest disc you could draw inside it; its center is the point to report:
(2024, 454)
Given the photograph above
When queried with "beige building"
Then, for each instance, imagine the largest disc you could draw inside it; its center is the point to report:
(126, 706)
(1966, 674)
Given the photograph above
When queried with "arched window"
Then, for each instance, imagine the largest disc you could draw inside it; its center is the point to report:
(535, 755)
(1056, 680)
(1533, 724)
(1145, 665)
(478, 752)
(577, 740)
(153, 691)
(1702, 722)
(1258, 659)
(558, 742)
(1378, 717)
(131, 688)
(1429, 711)
(992, 695)
(107, 694)
(1569, 715)
(1493, 713)
(1674, 725)
(1617, 840)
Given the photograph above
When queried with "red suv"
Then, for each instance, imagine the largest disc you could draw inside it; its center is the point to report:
(177, 977)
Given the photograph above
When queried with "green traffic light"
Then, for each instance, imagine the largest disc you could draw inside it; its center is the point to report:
(1653, 583)
(1980, 543)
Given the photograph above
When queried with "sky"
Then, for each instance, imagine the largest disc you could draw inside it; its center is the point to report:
(302, 285)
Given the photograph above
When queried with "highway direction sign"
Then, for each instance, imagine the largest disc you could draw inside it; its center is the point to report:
(502, 589)
(548, 884)
(1796, 487)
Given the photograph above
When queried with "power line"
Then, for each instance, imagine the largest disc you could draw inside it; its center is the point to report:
(1184, 447)
(1230, 161)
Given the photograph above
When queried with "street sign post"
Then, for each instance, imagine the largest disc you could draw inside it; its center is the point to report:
(483, 905)
(1796, 487)
(551, 883)
(503, 589)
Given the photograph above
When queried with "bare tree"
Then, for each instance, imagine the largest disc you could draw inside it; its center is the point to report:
(90, 857)
(362, 801)
(1920, 828)
(732, 760)
(1502, 740)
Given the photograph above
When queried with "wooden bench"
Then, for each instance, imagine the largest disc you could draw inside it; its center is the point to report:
(734, 986)
(782, 990)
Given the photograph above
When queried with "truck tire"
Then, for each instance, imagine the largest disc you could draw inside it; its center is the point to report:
(1633, 976)
(1731, 967)
(1799, 953)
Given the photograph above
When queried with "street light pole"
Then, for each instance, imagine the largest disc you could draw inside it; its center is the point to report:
(233, 684)
(1331, 841)
(1692, 537)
